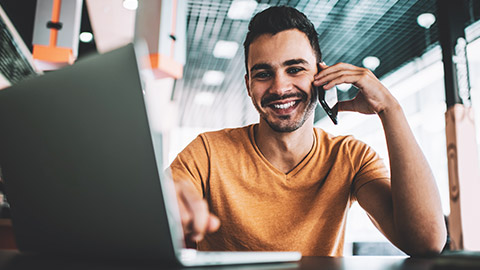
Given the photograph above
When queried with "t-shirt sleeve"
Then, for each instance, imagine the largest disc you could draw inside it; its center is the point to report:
(368, 166)
(192, 164)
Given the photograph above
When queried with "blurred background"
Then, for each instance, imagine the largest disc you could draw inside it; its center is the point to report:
(397, 40)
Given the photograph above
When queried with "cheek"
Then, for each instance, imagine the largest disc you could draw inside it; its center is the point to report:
(257, 90)
(256, 97)
(305, 84)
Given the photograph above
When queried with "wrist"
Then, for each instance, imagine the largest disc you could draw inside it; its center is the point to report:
(391, 108)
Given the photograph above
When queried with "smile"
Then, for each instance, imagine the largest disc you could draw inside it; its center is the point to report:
(285, 108)
(285, 105)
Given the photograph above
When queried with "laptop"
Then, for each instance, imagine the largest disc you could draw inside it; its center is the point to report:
(80, 169)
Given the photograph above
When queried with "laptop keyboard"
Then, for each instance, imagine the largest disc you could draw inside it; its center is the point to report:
(194, 257)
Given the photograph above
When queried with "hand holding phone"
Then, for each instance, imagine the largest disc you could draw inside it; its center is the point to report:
(329, 100)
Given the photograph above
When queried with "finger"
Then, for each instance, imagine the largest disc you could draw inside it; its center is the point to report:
(323, 65)
(213, 224)
(344, 78)
(325, 70)
(338, 77)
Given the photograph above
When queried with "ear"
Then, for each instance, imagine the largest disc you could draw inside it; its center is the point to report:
(247, 84)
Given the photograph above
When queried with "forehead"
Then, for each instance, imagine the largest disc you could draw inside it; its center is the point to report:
(278, 48)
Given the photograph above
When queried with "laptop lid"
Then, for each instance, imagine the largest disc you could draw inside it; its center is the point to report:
(79, 164)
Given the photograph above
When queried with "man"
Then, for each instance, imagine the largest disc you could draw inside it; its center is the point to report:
(282, 184)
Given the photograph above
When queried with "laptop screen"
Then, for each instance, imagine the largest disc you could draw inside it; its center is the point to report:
(78, 162)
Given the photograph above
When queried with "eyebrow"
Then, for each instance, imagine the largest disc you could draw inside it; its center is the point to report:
(286, 63)
(260, 66)
(295, 62)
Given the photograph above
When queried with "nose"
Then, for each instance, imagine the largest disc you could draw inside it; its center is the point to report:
(281, 84)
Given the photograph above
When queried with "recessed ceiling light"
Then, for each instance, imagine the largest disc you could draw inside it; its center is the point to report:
(426, 20)
(204, 98)
(344, 87)
(242, 9)
(371, 62)
(86, 37)
(225, 49)
(130, 4)
(213, 77)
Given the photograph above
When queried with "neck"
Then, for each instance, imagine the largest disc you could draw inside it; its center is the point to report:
(284, 150)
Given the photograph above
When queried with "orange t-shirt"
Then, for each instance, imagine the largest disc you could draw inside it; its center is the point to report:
(264, 209)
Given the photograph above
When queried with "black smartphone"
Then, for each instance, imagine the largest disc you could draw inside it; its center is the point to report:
(328, 98)
(329, 101)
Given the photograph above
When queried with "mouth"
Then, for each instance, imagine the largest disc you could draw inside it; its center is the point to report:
(284, 107)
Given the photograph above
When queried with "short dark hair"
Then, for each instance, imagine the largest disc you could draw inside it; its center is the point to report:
(277, 19)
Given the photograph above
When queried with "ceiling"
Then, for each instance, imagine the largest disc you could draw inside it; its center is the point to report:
(349, 30)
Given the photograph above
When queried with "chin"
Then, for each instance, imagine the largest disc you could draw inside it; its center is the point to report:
(285, 127)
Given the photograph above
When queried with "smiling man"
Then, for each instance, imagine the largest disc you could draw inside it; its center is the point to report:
(282, 184)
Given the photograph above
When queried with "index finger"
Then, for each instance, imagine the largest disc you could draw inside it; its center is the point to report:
(326, 70)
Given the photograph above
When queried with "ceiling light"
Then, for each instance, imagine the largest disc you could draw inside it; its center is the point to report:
(204, 98)
(262, 7)
(130, 4)
(242, 9)
(86, 37)
(426, 20)
(344, 87)
(213, 77)
(371, 62)
(225, 49)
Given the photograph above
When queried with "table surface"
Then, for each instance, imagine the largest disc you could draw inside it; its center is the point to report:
(16, 260)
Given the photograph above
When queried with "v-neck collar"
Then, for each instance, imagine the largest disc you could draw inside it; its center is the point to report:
(267, 163)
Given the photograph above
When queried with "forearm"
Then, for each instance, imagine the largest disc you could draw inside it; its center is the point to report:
(417, 213)
(408, 210)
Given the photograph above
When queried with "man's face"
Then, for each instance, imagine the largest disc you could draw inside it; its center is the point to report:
(279, 82)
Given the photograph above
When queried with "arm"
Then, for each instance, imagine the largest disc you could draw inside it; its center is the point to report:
(194, 214)
(407, 210)
(188, 171)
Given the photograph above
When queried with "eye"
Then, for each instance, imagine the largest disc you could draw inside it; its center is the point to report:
(262, 75)
(294, 70)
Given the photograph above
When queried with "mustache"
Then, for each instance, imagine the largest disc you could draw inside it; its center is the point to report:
(275, 97)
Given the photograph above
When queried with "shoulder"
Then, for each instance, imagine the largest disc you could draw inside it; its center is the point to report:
(226, 137)
(345, 146)
(226, 133)
(328, 140)
(213, 141)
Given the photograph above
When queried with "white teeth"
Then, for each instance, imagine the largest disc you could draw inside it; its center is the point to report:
(284, 106)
